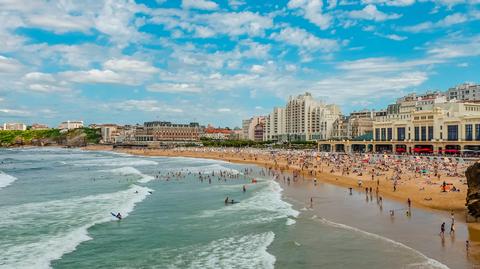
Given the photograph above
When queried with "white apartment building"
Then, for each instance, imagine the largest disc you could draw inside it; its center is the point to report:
(275, 124)
(464, 92)
(14, 126)
(69, 125)
(302, 119)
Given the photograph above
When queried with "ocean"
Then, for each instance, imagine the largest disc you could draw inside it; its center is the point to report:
(56, 205)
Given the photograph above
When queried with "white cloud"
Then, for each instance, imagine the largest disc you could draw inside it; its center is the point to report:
(9, 65)
(224, 110)
(353, 86)
(300, 38)
(312, 10)
(199, 4)
(174, 88)
(5, 112)
(256, 68)
(44, 83)
(130, 66)
(143, 105)
(60, 23)
(391, 36)
(398, 3)
(427, 26)
(97, 76)
(370, 12)
(117, 19)
(384, 64)
(235, 24)
(454, 47)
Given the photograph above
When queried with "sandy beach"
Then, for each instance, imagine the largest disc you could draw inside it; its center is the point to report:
(302, 188)
(423, 191)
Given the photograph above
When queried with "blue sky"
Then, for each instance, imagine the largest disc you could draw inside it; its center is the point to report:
(212, 61)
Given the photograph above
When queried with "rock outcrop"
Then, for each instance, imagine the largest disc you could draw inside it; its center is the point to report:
(473, 194)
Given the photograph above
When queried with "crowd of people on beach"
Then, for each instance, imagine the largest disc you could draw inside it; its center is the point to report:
(422, 176)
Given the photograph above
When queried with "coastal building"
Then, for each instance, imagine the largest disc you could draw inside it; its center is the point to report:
(216, 133)
(464, 92)
(302, 119)
(427, 123)
(236, 134)
(250, 125)
(259, 131)
(70, 125)
(109, 132)
(14, 126)
(38, 126)
(340, 128)
(167, 131)
(275, 124)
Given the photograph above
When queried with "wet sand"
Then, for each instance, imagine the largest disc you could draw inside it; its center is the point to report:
(335, 206)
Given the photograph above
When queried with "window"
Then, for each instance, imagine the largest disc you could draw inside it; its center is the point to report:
(477, 132)
(452, 132)
(468, 132)
(417, 134)
(430, 133)
(424, 133)
(401, 133)
(389, 134)
(383, 134)
(377, 133)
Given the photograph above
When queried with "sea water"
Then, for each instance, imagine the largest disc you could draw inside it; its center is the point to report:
(56, 205)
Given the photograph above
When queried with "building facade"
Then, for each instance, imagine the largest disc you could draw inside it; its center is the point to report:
(302, 119)
(464, 92)
(274, 124)
(38, 126)
(249, 126)
(14, 126)
(167, 131)
(70, 125)
(217, 133)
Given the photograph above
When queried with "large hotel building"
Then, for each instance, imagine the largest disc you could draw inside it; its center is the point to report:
(156, 131)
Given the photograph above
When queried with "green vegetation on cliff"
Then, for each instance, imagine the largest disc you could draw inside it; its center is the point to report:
(77, 137)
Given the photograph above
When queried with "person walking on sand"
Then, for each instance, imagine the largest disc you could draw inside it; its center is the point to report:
(452, 228)
(409, 202)
(442, 229)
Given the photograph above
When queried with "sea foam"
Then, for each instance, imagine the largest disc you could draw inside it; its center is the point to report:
(128, 170)
(6, 179)
(46, 231)
(264, 206)
(114, 162)
(248, 251)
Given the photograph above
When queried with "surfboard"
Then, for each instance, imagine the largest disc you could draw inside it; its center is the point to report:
(115, 215)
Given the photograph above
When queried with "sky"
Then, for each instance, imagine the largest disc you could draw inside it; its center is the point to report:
(221, 61)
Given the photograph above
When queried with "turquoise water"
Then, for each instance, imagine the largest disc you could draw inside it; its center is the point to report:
(55, 206)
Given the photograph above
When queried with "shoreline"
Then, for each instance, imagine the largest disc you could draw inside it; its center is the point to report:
(399, 229)
(441, 202)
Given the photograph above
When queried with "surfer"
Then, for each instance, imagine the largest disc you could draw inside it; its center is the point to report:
(226, 200)
(119, 216)
(244, 189)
